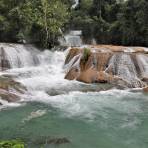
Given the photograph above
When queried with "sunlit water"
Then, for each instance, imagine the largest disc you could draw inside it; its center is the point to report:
(57, 108)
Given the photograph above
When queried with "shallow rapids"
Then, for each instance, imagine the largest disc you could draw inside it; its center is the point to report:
(53, 107)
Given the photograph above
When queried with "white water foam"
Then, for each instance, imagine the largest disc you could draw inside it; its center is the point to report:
(48, 75)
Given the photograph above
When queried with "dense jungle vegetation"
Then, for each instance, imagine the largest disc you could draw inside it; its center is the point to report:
(41, 21)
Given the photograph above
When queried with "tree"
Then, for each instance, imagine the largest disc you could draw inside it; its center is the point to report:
(134, 25)
(24, 16)
(51, 19)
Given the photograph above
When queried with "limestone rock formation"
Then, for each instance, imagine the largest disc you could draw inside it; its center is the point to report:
(119, 65)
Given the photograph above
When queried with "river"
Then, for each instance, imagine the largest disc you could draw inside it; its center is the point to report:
(55, 108)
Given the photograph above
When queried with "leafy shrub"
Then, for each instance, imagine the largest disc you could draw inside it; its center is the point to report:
(11, 144)
(86, 54)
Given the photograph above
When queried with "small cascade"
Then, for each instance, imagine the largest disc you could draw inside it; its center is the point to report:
(123, 66)
(75, 4)
(143, 65)
(93, 42)
(73, 39)
(74, 63)
(4, 63)
(42, 73)
(116, 65)
(18, 55)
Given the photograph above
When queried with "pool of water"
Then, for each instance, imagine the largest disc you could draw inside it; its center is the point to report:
(106, 119)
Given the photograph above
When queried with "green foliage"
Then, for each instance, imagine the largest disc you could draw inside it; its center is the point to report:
(86, 54)
(108, 21)
(12, 144)
(32, 20)
(113, 21)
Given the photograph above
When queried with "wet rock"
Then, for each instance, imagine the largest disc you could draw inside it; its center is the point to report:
(58, 141)
(10, 90)
(145, 79)
(145, 89)
(72, 74)
(108, 64)
(4, 62)
(8, 96)
(88, 76)
(50, 140)
(73, 52)
(103, 77)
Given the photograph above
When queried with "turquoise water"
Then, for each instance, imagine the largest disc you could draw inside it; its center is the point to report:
(55, 112)
(111, 119)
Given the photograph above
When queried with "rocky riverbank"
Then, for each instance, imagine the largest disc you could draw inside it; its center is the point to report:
(118, 65)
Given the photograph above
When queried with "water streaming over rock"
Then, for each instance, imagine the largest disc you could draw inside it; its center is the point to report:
(61, 108)
(143, 65)
(123, 66)
(72, 39)
(75, 4)
(112, 64)
(41, 73)
(19, 56)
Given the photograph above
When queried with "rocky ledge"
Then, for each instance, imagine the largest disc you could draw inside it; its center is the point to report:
(118, 65)
(10, 90)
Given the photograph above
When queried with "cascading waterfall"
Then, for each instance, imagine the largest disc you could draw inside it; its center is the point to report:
(143, 65)
(36, 70)
(74, 62)
(18, 55)
(76, 4)
(72, 39)
(54, 107)
(123, 66)
(41, 73)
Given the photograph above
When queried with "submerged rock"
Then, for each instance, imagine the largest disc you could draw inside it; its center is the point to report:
(58, 141)
(118, 65)
(33, 115)
(51, 141)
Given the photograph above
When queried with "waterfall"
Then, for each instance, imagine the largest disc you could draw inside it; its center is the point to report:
(74, 62)
(19, 55)
(143, 65)
(43, 72)
(76, 4)
(72, 39)
(40, 72)
(123, 66)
